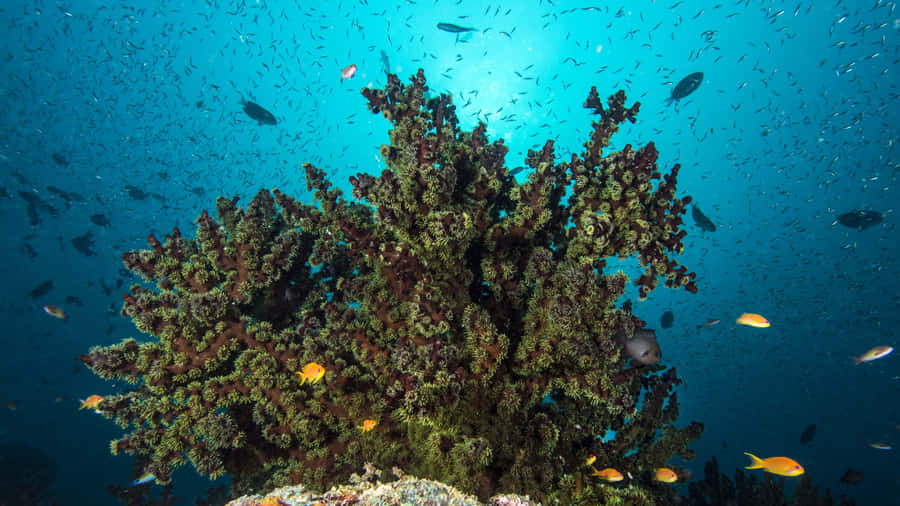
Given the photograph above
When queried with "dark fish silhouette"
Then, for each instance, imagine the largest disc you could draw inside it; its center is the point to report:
(701, 220)
(84, 244)
(261, 115)
(668, 318)
(135, 192)
(42, 289)
(73, 300)
(68, 197)
(686, 86)
(450, 27)
(852, 477)
(808, 434)
(59, 159)
(99, 220)
(860, 219)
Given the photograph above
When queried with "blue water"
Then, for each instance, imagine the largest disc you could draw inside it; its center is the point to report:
(796, 121)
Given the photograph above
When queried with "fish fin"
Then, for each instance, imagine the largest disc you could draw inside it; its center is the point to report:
(857, 360)
(755, 462)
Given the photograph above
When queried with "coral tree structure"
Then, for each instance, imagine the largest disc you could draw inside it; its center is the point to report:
(469, 315)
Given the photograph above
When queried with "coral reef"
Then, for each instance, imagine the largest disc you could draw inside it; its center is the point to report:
(717, 489)
(448, 304)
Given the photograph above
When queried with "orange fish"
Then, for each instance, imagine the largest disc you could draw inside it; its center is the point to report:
(92, 402)
(781, 466)
(348, 72)
(313, 372)
(753, 320)
(873, 354)
(368, 425)
(665, 475)
(609, 474)
(55, 311)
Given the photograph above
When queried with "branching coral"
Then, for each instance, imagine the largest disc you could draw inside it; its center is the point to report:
(448, 308)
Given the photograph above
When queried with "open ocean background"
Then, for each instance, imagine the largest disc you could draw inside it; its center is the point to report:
(796, 122)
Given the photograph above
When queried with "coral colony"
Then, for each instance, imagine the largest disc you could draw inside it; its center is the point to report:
(465, 323)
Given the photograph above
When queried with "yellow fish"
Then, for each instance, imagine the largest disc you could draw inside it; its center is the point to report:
(590, 460)
(92, 402)
(781, 466)
(665, 475)
(881, 446)
(368, 425)
(753, 320)
(873, 354)
(313, 373)
(609, 474)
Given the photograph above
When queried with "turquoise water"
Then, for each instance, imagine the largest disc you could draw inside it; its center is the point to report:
(795, 123)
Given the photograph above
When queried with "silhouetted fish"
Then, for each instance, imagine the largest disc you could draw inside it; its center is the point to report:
(685, 87)
(852, 477)
(42, 289)
(135, 192)
(84, 244)
(808, 434)
(668, 318)
(100, 220)
(701, 220)
(59, 159)
(450, 27)
(860, 219)
(261, 115)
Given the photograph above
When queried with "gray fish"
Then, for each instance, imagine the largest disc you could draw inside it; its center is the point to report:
(642, 346)
(701, 220)
(450, 27)
(261, 115)
(685, 87)
(860, 219)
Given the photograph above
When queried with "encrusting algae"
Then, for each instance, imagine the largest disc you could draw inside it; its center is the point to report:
(450, 304)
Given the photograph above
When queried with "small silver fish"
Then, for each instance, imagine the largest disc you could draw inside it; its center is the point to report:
(709, 323)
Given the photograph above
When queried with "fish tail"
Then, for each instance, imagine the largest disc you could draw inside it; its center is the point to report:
(755, 462)
(857, 360)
